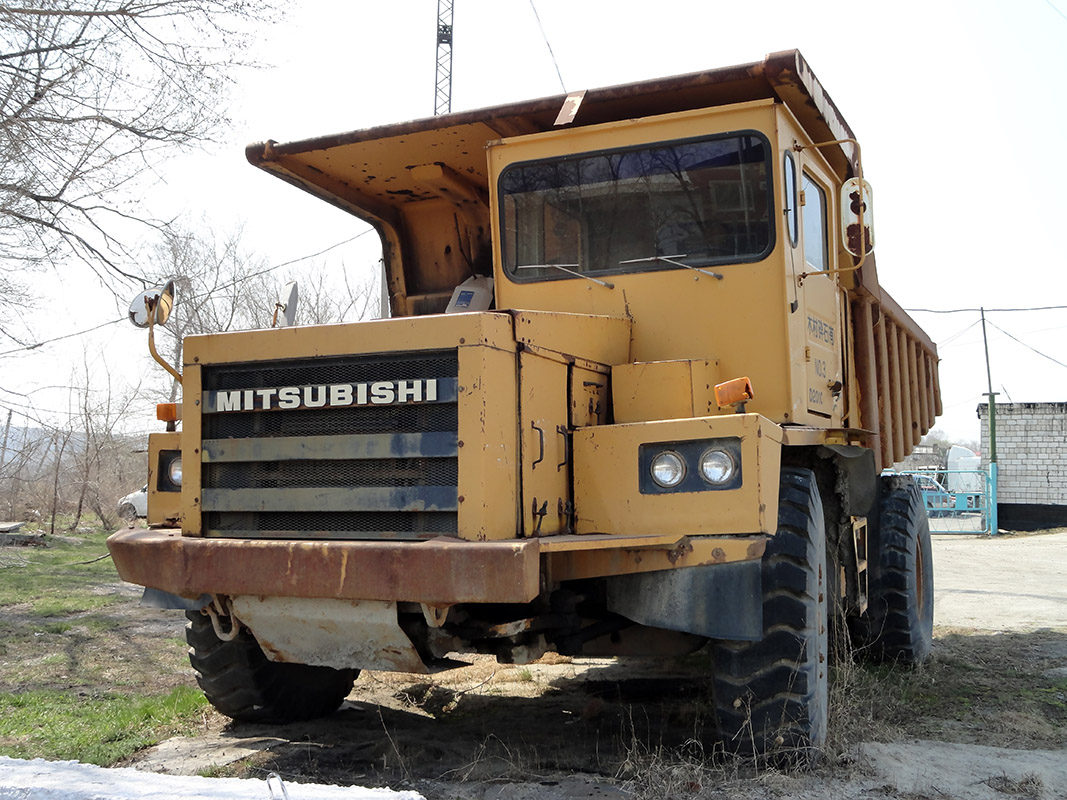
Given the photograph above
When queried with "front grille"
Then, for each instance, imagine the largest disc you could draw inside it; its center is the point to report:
(361, 471)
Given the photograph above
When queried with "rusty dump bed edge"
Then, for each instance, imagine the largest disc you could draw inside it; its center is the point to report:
(897, 371)
(784, 75)
(438, 571)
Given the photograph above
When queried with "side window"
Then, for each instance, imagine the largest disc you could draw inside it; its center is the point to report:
(791, 204)
(814, 225)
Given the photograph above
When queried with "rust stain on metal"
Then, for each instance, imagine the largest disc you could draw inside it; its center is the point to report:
(436, 571)
(756, 549)
(718, 555)
(683, 549)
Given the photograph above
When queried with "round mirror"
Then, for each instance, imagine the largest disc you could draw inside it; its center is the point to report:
(157, 300)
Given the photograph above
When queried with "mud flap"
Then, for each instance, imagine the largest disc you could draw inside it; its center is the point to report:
(720, 601)
(157, 598)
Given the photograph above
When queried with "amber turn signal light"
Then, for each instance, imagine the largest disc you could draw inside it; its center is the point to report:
(168, 412)
(733, 393)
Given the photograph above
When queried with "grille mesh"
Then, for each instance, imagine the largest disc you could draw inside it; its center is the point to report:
(330, 473)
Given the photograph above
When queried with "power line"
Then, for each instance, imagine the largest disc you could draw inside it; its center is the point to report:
(548, 44)
(243, 278)
(234, 282)
(1028, 347)
(979, 310)
(957, 335)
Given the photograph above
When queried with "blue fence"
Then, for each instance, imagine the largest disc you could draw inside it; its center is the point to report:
(958, 501)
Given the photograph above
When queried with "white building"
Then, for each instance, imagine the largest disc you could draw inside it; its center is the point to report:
(1031, 462)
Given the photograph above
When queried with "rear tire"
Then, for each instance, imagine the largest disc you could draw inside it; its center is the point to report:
(899, 622)
(127, 512)
(242, 683)
(771, 696)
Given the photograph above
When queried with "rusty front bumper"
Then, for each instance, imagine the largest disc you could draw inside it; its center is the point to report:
(435, 572)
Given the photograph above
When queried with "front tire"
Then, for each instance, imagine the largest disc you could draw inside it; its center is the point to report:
(771, 696)
(899, 623)
(242, 683)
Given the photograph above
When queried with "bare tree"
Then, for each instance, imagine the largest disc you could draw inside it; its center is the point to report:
(94, 93)
(99, 451)
(224, 286)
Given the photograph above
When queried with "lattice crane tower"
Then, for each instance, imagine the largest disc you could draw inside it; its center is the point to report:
(443, 93)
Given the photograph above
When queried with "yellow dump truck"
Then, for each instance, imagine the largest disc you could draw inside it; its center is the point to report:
(635, 395)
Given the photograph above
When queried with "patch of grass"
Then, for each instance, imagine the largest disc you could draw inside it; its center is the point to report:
(60, 578)
(990, 689)
(57, 627)
(95, 729)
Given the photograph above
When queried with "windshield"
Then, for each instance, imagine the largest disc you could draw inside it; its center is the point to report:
(699, 202)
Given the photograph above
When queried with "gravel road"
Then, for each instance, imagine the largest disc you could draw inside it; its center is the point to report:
(1001, 583)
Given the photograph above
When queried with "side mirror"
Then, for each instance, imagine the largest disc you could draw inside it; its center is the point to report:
(158, 301)
(857, 217)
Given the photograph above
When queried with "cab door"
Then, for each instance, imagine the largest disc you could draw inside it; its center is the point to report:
(820, 301)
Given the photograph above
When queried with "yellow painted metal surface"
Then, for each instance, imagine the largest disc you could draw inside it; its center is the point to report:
(192, 434)
(664, 390)
(625, 559)
(375, 336)
(603, 340)
(164, 508)
(546, 461)
(607, 479)
(590, 396)
(489, 449)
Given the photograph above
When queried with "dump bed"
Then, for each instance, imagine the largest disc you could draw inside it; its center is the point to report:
(377, 175)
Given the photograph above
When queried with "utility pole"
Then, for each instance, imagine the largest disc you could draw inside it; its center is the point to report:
(443, 84)
(993, 522)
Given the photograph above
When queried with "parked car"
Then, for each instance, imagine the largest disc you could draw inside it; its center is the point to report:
(938, 500)
(135, 504)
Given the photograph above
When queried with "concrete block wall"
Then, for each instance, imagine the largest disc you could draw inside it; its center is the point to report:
(1031, 452)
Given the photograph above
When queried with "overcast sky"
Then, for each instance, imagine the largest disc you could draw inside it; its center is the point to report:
(958, 106)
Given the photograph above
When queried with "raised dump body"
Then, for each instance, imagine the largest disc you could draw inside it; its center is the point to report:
(656, 425)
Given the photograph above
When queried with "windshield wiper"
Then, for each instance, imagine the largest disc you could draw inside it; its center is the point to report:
(565, 268)
(671, 260)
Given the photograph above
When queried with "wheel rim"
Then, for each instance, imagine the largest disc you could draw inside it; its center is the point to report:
(920, 578)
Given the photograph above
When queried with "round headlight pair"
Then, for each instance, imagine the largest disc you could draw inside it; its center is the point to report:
(716, 466)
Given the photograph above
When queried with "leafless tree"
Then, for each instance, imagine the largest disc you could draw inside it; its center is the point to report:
(224, 286)
(93, 95)
(99, 451)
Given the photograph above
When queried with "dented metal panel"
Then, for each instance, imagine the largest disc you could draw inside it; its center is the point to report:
(607, 479)
(343, 634)
(651, 390)
(354, 498)
(546, 504)
(600, 339)
(365, 446)
(440, 571)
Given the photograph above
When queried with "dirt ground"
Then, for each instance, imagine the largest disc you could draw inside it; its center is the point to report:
(987, 719)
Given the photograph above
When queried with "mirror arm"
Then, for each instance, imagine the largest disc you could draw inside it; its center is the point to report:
(859, 174)
(152, 347)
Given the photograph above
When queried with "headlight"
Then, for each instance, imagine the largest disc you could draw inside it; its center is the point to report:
(717, 466)
(668, 469)
(174, 471)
